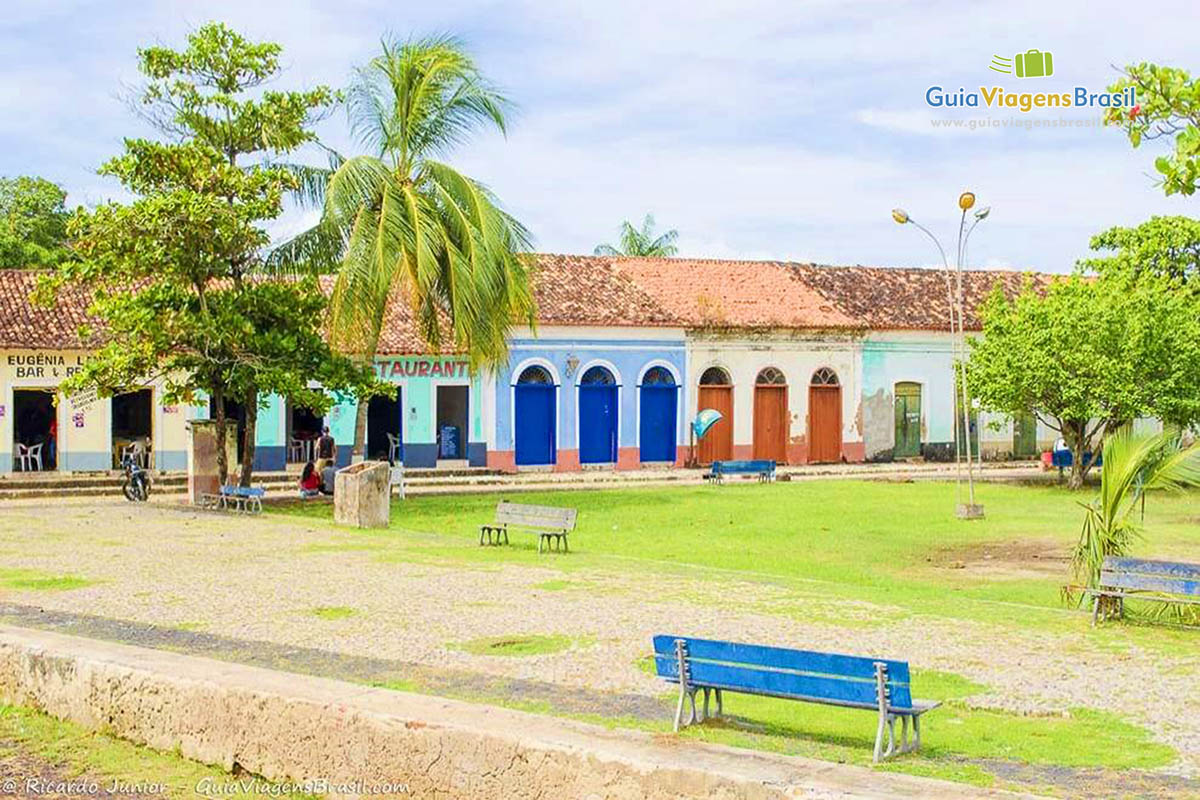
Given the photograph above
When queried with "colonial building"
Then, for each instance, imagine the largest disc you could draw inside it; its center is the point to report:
(806, 364)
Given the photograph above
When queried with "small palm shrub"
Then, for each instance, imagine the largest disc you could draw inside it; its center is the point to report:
(1134, 464)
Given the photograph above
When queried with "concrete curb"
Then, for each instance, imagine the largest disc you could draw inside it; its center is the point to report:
(289, 727)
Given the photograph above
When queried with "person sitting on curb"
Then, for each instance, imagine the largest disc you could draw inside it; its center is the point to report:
(310, 481)
(327, 478)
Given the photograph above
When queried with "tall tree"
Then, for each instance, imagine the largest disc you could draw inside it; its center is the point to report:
(400, 223)
(641, 242)
(172, 270)
(1168, 108)
(1089, 355)
(33, 223)
(1162, 247)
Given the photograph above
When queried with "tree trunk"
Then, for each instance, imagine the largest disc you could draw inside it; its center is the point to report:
(248, 447)
(360, 431)
(1074, 434)
(218, 400)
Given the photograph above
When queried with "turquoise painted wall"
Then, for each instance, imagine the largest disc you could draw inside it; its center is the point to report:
(886, 363)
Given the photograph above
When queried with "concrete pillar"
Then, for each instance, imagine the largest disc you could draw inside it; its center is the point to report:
(203, 475)
(362, 495)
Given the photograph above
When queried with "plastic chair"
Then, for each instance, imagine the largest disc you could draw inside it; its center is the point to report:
(29, 455)
(295, 451)
(393, 448)
(137, 451)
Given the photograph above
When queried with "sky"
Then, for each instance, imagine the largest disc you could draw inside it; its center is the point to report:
(759, 129)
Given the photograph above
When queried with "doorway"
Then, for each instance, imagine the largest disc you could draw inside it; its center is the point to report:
(597, 417)
(824, 417)
(304, 427)
(452, 422)
(1025, 443)
(771, 416)
(658, 404)
(133, 426)
(716, 392)
(534, 417)
(35, 430)
(908, 420)
(385, 426)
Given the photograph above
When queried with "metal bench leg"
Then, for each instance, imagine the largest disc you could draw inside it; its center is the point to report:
(541, 541)
(720, 710)
(881, 694)
(685, 690)
(1095, 608)
(916, 731)
(704, 713)
(566, 546)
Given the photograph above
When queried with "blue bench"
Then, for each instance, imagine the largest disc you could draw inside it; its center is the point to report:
(765, 470)
(246, 499)
(1143, 579)
(1064, 458)
(704, 665)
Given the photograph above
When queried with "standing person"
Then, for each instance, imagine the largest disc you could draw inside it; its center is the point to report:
(326, 450)
(52, 444)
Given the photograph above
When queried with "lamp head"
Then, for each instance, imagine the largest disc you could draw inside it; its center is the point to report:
(966, 200)
(900, 215)
(982, 213)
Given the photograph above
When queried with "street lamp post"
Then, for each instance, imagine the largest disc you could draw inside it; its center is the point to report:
(958, 346)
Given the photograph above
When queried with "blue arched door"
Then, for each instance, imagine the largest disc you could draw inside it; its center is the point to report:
(658, 411)
(597, 417)
(534, 416)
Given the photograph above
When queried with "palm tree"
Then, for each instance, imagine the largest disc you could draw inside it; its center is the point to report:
(1133, 464)
(642, 242)
(400, 223)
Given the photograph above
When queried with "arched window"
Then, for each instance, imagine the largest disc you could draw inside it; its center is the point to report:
(771, 376)
(715, 376)
(658, 376)
(598, 376)
(536, 374)
(824, 377)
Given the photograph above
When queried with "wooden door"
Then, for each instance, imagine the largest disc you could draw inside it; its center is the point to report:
(908, 420)
(770, 422)
(824, 424)
(717, 444)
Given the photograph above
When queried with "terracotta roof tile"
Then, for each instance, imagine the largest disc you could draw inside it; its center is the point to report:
(591, 290)
(25, 325)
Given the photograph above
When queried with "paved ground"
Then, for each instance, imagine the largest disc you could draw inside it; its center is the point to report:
(247, 590)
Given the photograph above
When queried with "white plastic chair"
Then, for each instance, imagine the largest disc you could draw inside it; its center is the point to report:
(295, 451)
(393, 448)
(137, 450)
(29, 455)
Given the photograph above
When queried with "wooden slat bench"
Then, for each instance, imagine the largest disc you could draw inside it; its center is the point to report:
(704, 665)
(765, 470)
(550, 523)
(1143, 579)
(247, 499)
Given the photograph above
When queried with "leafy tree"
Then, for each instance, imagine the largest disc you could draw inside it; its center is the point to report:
(643, 242)
(1163, 247)
(398, 222)
(1089, 355)
(33, 223)
(173, 271)
(1133, 465)
(1169, 106)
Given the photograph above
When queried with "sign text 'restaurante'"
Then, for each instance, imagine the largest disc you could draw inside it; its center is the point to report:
(421, 368)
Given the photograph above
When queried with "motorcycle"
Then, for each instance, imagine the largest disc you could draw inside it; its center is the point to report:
(137, 481)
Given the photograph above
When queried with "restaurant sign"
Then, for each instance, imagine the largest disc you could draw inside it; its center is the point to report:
(421, 367)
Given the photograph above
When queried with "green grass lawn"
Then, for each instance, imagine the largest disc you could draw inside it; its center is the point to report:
(850, 553)
(892, 544)
(35, 746)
